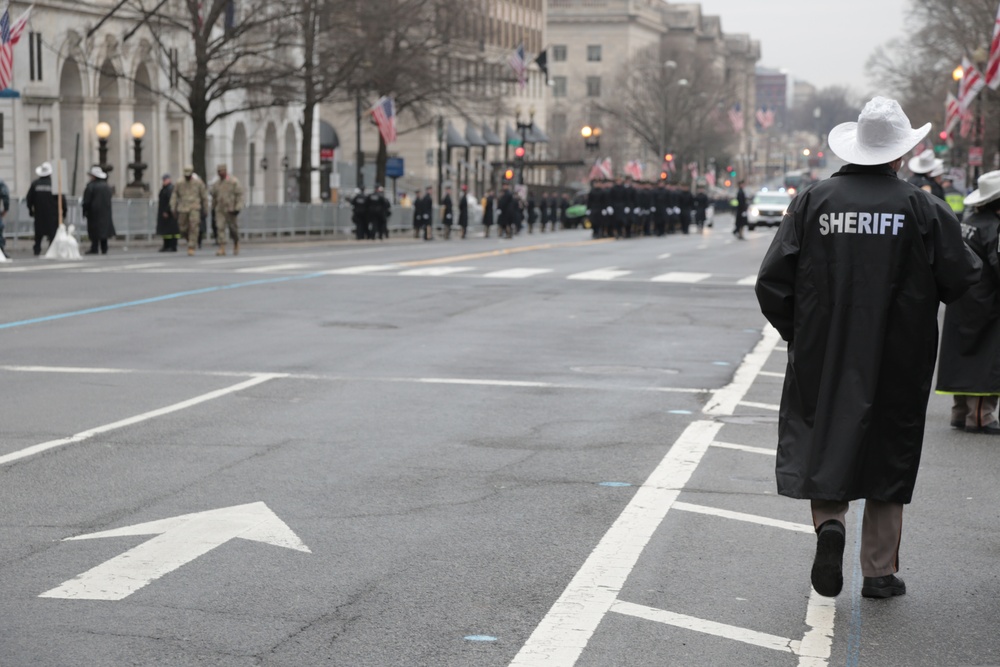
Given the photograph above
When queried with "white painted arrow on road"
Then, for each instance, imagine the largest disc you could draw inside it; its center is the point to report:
(179, 540)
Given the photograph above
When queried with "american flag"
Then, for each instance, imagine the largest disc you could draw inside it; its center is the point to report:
(518, 63)
(993, 64)
(600, 170)
(970, 85)
(9, 36)
(765, 117)
(385, 117)
(952, 112)
(634, 169)
(736, 117)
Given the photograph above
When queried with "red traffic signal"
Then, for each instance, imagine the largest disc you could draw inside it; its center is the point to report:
(519, 152)
(509, 174)
(943, 135)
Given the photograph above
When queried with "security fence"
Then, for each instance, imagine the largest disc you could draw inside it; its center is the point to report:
(135, 219)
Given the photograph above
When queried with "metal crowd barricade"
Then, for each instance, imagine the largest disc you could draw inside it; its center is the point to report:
(135, 219)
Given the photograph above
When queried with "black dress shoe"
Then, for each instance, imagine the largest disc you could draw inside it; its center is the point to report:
(827, 569)
(883, 587)
(989, 429)
(958, 423)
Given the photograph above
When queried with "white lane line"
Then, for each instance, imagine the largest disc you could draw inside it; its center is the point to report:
(599, 274)
(84, 435)
(517, 273)
(762, 406)
(680, 277)
(746, 448)
(64, 369)
(724, 401)
(761, 639)
(488, 383)
(436, 271)
(123, 267)
(749, 280)
(39, 267)
(772, 374)
(358, 270)
(817, 644)
(272, 268)
(665, 255)
(748, 518)
(563, 634)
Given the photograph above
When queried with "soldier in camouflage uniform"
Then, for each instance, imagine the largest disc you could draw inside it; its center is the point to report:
(188, 201)
(227, 200)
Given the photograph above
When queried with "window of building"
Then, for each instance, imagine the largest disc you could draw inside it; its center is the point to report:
(558, 86)
(593, 86)
(594, 53)
(559, 53)
(35, 55)
(557, 126)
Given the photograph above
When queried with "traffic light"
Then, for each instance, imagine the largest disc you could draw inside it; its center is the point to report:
(663, 175)
(943, 135)
(519, 152)
(669, 157)
(732, 171)
(508, 175)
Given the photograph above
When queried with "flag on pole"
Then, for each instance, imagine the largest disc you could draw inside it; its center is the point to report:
(634, 170)
(970, 85)
(543, 64)
(600, 170)
(9, 36)
(765, 117)
(736, 117)
(952, 112)
(384, 113)
(993, 64)
(518, 63)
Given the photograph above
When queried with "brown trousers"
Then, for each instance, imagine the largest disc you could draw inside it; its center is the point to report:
(881, 529)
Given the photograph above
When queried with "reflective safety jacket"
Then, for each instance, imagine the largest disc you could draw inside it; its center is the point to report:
(853, 280)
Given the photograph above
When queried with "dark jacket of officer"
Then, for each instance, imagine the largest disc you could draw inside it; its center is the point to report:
(463, 210)
(506, 206)
(927, 184)
(43, 205)
(852, 280)
(423, 208)
(377, 208)
(969, 362)
(166, 221)
(447, 211)
(488, 210)
(96, 206)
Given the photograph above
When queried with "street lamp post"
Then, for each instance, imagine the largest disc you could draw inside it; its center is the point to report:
(979, 56)
(137, 189)
(103, 131)
(522, 129)
(591, 138)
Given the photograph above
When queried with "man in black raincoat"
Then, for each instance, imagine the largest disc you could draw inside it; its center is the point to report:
(853, 280)
(969, 362)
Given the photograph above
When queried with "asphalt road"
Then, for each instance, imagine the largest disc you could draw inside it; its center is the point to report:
(544, 451)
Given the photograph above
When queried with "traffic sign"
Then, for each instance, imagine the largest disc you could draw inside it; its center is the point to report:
(178, 541)
(975, 156)
(394, 167)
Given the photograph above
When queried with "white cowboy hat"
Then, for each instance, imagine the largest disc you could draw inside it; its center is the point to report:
(97, 172)
(988, 190)
(881, 135)
(926, 163)
(44, 169)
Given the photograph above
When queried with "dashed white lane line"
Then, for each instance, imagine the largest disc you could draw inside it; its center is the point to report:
(772, 374)
(272, 268)
(517, 273)
(762, 406)
(747, 518)
(359, 270)
(124, 267)
(85, 435)
(38, 267)
(599, 274)
(749, 280)
(744, 635)
(436, 271)
(724, 401)
(745, 448)
(681, 277)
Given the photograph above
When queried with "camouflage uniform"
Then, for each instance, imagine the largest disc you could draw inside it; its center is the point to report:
(227, 201)
(188, 201)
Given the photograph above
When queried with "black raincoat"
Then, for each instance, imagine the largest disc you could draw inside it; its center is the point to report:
(969, 362)
(852, 280)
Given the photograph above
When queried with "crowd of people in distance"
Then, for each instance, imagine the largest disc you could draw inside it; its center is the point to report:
(624, 208)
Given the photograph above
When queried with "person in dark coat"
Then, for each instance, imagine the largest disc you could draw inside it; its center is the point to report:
(359, 214)
(969, 361)
(505, 205)
(852, 281)
(96, 206)
(424, 209)
(488, 212)
(43, 206)
(377, 210)
(926, 170)
(701, 209)
(166, 221)
(532, 212)
(447, 212)
(741, 211)
(463, 210)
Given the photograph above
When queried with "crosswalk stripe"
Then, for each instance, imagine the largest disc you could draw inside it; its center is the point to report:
(599, 274)
(273, 268)
(436, 271)
(681, 277)
(517, 273)
(358, 270)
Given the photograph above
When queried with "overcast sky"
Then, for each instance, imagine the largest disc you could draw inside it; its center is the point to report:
(824, 43)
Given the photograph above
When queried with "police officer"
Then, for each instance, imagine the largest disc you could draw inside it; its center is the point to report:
(189, 202)
(926, 170)
(227, 202)
(955, 199)
(463, 210)
(488, 206)
(506, 205)
(43, 206)
(852, 280)
(359, 216)
(424, 210)
(377, 210)
(447, 212)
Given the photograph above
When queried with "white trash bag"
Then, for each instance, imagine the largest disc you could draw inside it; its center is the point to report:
(64, 245)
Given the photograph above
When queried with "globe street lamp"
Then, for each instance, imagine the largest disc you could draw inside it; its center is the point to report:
(103, 131)
(137, 189)
(591, 137)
